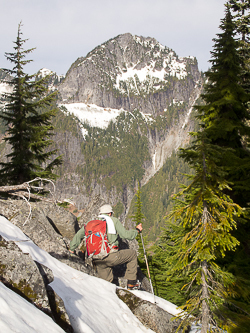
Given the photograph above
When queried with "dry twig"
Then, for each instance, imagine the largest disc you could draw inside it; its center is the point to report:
(24, 191)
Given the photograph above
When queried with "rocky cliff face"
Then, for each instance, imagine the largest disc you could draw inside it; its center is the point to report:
(131, 72)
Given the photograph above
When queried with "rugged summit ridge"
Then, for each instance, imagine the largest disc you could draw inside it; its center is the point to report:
(131, 72)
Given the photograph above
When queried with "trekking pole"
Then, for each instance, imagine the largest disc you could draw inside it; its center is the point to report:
(144, 251)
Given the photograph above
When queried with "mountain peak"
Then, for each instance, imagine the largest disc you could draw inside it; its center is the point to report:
(124, 71)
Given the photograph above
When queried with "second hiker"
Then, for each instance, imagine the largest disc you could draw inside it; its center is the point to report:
(116, 257)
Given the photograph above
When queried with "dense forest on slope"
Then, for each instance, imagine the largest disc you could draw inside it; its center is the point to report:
(117, 155)
(157, 193)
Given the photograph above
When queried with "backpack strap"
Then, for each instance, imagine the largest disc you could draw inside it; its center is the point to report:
(110, 224)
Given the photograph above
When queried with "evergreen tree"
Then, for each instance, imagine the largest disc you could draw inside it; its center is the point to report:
(28, 115)
(138, 217)
(241, 16)
(165, 284)
(225, 113)
(226, 120)
(241, 9)
(200, 231)
(203, 230)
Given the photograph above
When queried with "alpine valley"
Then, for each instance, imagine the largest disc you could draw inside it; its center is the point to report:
(123, 111)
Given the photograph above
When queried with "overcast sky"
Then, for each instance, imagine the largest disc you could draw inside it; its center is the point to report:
(63, 30)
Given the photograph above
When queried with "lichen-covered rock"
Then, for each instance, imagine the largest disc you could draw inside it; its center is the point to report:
(19, 272)
(151, 315)
(41, 231)
(57, 307)
(37, 227)
(62, 220)
(59, 312)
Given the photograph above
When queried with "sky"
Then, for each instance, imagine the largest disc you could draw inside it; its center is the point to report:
(91, 303)
(64, 30)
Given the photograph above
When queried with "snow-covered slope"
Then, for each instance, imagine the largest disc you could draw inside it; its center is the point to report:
(95, 116)
(18, 315)
(92, 303)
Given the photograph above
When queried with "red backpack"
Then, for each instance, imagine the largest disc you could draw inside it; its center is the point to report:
(96, 239)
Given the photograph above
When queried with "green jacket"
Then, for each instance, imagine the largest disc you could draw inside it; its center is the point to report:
(113, 239)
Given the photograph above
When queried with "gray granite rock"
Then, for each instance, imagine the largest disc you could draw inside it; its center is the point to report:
(19, 272)
(149, 314)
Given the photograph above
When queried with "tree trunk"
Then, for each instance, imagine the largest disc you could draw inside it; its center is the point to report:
(205, 307)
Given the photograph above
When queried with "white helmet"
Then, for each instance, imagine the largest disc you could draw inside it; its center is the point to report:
(105, 209)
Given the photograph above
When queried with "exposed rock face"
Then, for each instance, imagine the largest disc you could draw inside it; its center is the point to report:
(43, 231)
(19, 271)
(38, 228)
(104, 76)
(66, 223)
(30, 280)
(151, 315)
(130, 72)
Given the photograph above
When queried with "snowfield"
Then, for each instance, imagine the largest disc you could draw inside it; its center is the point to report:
(96, 116)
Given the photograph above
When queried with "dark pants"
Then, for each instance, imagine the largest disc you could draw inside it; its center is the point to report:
(127, 256)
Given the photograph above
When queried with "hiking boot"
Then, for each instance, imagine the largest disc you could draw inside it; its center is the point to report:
(133, 284)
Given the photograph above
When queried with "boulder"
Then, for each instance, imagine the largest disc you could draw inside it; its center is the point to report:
(37, 227)
(64, 222)
(19, 272)
(31, 281)
(42, 232)
(151, 315)
(56, 303)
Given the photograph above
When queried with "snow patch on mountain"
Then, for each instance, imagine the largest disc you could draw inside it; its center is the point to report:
(44, 72)
(95, 116)
(156, 78)
(5, 88)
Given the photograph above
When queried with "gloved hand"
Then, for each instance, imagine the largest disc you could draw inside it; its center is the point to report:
(139, 227)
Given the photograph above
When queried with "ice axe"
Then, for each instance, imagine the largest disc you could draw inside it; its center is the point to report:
(145, 255)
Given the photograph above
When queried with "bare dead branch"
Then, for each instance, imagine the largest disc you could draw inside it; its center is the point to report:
(24, 190)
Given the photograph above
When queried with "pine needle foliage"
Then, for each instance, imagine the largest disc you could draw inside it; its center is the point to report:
(226, 119)
(225, 114)
(203, 224)
(27, 114)
(241, 16)
(138, 217)
(200, 229)
(166, 285)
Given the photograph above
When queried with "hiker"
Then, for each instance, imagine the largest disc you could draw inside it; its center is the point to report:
(116, 257)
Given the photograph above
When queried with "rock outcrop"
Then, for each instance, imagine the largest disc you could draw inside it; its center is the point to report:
(43, 230)
(32, 280)
(151, 315)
